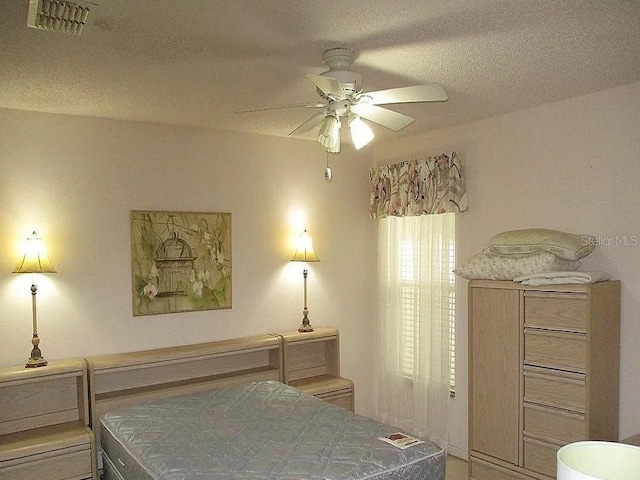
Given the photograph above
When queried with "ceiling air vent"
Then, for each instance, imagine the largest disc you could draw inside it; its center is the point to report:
(58, 16)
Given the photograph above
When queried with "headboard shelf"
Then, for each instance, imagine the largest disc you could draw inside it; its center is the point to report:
(187, 353)
(247, 375)
(120, 380)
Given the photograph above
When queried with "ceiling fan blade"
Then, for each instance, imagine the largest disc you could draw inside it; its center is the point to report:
(329, 86)
(289, 105)
(387, 118)
(309, 123)
(418, 93)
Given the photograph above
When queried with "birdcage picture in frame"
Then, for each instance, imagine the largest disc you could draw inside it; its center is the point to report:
(181, 261)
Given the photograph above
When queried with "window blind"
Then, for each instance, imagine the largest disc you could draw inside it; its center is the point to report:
(444, 260)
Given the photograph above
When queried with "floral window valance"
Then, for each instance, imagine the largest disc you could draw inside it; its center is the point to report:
(419, 187)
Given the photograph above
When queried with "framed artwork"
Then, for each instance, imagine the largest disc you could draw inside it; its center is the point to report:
(180, 261)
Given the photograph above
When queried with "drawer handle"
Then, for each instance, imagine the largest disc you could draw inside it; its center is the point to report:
(121, 463)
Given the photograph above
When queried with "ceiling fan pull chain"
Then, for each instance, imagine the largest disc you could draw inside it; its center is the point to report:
(327, 171)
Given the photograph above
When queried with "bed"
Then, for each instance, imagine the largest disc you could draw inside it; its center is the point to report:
(220, 410)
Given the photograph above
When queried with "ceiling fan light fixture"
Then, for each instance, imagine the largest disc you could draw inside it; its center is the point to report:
(329, 136)
(361, 133)
(340, 89)
(62, 16)
(331, 144)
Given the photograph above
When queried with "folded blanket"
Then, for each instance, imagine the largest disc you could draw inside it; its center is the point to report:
(555, 278)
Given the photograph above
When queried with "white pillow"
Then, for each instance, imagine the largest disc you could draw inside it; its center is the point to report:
(495, 267)
(567, 246)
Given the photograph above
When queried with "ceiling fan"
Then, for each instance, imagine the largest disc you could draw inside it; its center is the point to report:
(343, 99)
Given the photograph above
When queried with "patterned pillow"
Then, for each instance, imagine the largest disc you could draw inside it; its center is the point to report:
(495, 267)
(567, 246)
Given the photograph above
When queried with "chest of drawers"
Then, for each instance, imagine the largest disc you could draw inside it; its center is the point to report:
(544, 367)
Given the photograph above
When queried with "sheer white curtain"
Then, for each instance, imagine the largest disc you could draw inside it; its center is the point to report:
(416, 256)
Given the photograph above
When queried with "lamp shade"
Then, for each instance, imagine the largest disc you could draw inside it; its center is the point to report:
(361, 133)
(595, 460)
(35, 258)
(304, 251)
(329, 136)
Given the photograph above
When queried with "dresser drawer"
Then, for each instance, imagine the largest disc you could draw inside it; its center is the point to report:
(335, 390)
(561, 391)
(540, 456)
(561, 311)
(70, 463)
(560, 350)
(554, 425)
(344, 400)
(484, 471)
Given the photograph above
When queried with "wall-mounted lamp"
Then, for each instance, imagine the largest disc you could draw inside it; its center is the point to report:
(304, 253)
(34, 261)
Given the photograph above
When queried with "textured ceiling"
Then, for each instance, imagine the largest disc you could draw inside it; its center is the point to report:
(194, 62)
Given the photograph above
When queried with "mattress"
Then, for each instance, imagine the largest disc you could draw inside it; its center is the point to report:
(261, 430)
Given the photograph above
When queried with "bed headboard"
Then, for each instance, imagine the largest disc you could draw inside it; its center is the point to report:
(125, 379)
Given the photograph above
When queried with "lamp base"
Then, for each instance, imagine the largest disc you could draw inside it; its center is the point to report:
(36, 359)
(36, 362)
(306, 325)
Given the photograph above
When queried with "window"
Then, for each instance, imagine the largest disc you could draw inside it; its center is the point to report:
(414, 359)
(441, 264)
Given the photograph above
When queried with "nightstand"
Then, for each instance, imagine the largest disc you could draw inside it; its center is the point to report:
(311, 362)
(43, 423)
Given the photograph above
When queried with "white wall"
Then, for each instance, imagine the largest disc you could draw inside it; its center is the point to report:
(572, 166)
(76, 179)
